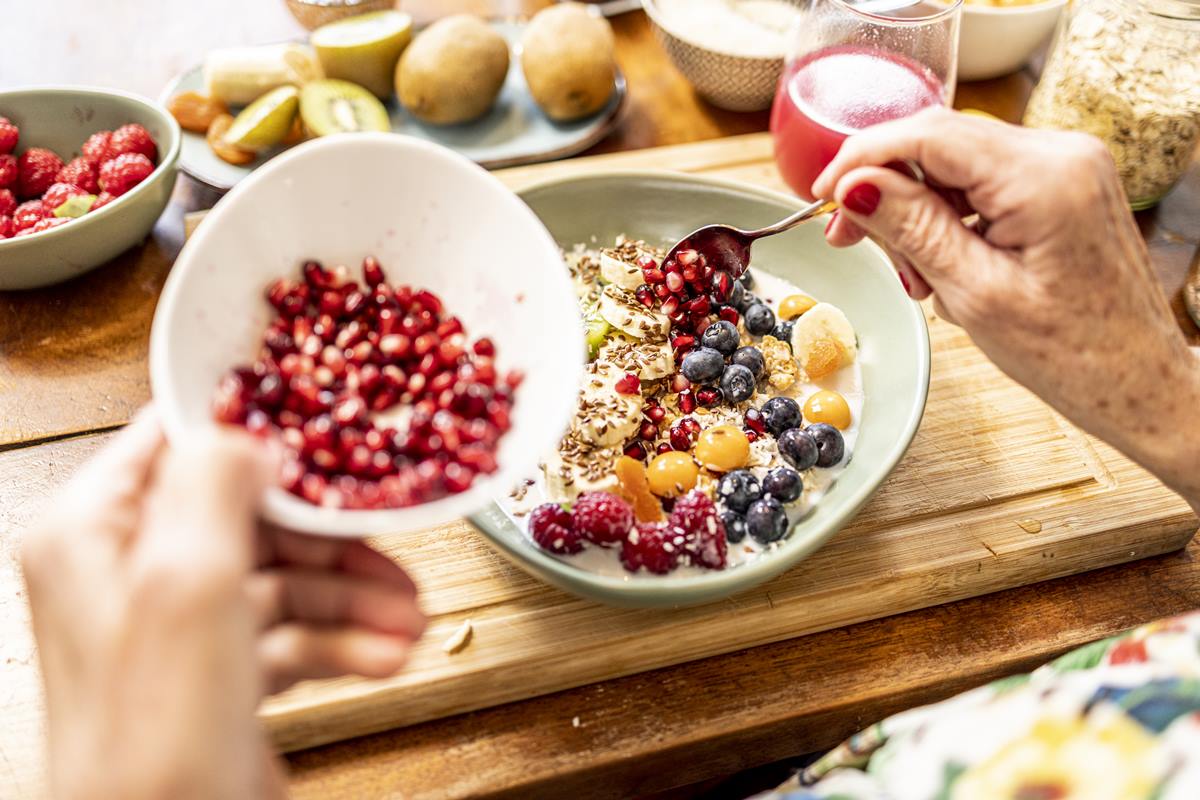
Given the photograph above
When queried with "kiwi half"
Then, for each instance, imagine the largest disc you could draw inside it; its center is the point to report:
(332, 106)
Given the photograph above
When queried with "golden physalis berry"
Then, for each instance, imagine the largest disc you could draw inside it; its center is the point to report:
(794, 305)
(672, 474)
(828, 407)
(723, 448)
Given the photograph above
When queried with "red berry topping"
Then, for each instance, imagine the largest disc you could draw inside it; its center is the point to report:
(602, 517)
(81, 173)
(36, 169)
(8, 172)
(552, 527)
(58, 194)
(6, 226)
(102, 199)
(630, 384)
(132, 138)
(124, 172)
(8, 203)
(654, 546)
(8, 135)
(46, 224)
(28, 214)
(696, 517)
(95, 149)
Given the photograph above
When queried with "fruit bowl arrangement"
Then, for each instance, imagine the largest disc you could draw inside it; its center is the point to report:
(501, 93)
(84, 174)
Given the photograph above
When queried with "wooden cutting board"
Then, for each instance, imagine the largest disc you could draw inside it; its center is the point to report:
(996, 491)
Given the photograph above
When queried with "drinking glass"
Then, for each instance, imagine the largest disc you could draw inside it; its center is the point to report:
(854, 65)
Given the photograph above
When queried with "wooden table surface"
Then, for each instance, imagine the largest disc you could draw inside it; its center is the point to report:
(72, 364)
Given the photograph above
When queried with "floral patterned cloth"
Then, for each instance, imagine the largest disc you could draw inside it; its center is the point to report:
(1117, 719)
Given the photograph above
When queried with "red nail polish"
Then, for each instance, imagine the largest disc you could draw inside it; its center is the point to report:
(829, 225)
(904, 283)
(862, 199)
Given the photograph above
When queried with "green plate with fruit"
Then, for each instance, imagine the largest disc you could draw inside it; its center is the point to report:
(893, 343)
(514, 132)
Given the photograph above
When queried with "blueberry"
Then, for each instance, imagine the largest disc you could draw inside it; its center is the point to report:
(721, 336)
(759, 319)
(783, 331)
(737, 383)
(799, 449)
(738, 489)
(829, 442)
(783, 484)
(751, 358)
(737, 294)
(745, 301)
(766, 520)
(735, 526)
(702, 365)
(746, 279)
(781, 414)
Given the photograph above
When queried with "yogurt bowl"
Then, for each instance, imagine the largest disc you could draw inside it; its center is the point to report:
(435, 220)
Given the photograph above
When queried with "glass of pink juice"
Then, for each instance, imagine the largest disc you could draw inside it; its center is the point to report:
(854, 65)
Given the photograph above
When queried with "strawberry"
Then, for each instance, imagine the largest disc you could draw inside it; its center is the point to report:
(27, 214)
(6, 226)
(124, 172)
(95, 149)
(36, 169)
(58, 194)
(8, 172)
(8, 135)
(8, 203)
(81, 173)
(132, 138)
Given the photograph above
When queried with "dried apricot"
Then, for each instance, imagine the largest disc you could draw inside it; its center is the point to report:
(194, 111)
(224, 150)
(823, 358)
(634, 487)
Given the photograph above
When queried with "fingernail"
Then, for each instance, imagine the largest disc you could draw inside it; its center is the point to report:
(904, 283)
(829, 225)
(862, 199)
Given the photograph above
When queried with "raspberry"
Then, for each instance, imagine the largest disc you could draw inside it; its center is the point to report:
(553, 528)
(696, 517)
(132, 138)
(8, 203)
(8, 172)
(81, 173)
(6, 226)
(654, 546)
(95, 149)
(46, 224)
(102, 199)
(124, 172)
(8, 135)
(36, 169)
(58, 194)
(27, 214)
(602, 517)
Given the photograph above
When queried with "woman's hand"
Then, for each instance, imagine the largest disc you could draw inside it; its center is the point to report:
(163, 612)
(1058, 291)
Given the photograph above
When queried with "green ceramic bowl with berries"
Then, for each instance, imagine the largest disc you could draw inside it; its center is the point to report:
(893, 359)
(107, 199)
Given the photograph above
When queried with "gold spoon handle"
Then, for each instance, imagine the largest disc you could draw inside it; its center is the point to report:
(787, 223)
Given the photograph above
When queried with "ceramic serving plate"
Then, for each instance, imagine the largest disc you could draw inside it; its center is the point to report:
(514, 132)
(893, 354)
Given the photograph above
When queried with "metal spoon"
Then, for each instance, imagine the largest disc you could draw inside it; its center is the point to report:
(728, 248)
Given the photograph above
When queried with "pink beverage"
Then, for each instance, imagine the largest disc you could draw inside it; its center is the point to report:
(828, 95)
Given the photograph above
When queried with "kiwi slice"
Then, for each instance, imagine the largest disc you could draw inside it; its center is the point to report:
(364, 49)
(332, 106)
(266, 121)
(596, 330)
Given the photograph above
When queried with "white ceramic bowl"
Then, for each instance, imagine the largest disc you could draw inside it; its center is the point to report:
(433, 219)
(996, 40)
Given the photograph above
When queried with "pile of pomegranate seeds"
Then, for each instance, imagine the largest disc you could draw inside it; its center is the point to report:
(338, 353)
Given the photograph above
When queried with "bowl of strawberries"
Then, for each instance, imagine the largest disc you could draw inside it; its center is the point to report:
(84, 175)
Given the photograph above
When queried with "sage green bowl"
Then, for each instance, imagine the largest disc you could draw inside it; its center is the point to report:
(893, 353)
(62, 118)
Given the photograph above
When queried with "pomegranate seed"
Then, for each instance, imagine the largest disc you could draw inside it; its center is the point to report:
(751, 436)
(458, 478)
(664, 447)
(699, 306)
(708, 397)
(646, 261)
(686, 257)
(350, 411)
(449, 327)
(656, 413)
(450, 349)
(416, 384)
(312, 488)
(680, 439)
(425, 343)
(441, 382)
(269, 393)
(323, 375)
(498, 415)
(649, 431)
(721, 285)
(690, 425)
(279, 342)
(687, 401)
(514, 378)
(692, 273)
(316, 276)
(429, 365)
(636, 450)
(395, 345)
(729, 314)
(325, 459)
(674, 281)
(630, 384)
(661, 291)
(670, 306)
(350, 335)
(653, 275)
(354, 303)
(331, 302)
(484, 347)
(319, 433)
(372, 272)
(312, 345)
(645, 295)
(755, 421)
(429, 301)
(682, 341)
(388, 321)
(700, 323)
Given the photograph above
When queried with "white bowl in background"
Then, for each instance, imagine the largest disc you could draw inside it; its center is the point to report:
(999, 40)
(433, 219)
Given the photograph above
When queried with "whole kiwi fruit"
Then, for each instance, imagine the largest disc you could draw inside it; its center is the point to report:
(567, 57)
(453, 71)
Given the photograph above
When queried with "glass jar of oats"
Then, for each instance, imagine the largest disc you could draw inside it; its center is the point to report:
(1127, 71)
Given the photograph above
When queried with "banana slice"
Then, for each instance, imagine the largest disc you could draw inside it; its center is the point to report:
(576, 467)
(619, 272)
(239, 75)
(623, 311)
(824, 321)
(605, 417)
(651, 361)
